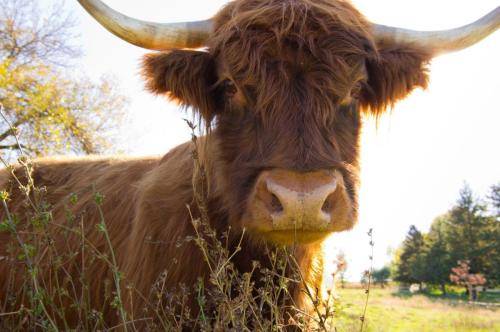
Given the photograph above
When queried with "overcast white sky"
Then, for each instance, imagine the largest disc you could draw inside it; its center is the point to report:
(413, 163)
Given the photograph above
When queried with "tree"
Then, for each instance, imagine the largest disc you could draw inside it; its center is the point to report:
(461, 275)
(468, 232)
(410, 262)
(341, 268)
(437, 257)
(50, 110)
(491, 237)
(494, 199)
(381, 276)
(472, 234)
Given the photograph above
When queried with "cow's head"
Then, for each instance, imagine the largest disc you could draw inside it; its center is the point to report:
(283, 84)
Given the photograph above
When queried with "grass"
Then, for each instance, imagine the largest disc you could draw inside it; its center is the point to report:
(388, 310)
(230, 301)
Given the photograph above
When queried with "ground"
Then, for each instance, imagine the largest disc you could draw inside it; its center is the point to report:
(390, 310)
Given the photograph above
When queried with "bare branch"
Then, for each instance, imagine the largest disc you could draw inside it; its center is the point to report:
(12, 130)
(19, 146)
(14, 147)
(29, 35)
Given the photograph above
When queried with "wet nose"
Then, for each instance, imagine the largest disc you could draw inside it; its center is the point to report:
(300, 201)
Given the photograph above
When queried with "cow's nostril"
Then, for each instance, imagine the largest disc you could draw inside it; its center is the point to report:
(328, 204)
(276, 205)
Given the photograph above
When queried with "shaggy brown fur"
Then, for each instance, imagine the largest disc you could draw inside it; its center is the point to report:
(281, 85)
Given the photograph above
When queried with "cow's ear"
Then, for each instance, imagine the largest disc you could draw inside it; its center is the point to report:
(185, 76)
(393, 72)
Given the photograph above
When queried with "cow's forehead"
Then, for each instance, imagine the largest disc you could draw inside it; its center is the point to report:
(252, 37)
(307, 19)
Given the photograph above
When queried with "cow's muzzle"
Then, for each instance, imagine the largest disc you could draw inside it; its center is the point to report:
(288, 206)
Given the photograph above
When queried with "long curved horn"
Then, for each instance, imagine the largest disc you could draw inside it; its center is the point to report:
(444, 41)
(153, 36)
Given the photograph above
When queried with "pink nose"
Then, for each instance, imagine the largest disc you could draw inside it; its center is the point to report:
(297, 201)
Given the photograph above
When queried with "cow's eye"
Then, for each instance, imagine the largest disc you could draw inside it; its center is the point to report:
(229, 88)
(354, 94)
(356, 90)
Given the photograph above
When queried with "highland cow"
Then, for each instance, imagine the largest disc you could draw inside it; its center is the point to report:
(280, 87)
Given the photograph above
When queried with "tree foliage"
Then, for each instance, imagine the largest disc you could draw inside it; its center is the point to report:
(461, 275)
(494, 199)
(436, 253)
(466, 223)
(50, 107)
(410, 267)
(381, 276)
(469, 231)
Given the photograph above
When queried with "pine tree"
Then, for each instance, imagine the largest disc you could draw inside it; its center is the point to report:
(468, 230)
(494, 199)
(410, 266)
(438, 262)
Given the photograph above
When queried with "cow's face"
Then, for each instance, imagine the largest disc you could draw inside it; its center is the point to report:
(283, 84)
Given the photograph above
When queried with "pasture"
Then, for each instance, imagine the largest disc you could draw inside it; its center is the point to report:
(390, 310)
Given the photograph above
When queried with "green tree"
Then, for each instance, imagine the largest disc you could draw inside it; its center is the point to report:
(471, 233)
(50, 110)
(494, 200)
(468, 232)
(381, 276)
(438, 262)
(490, 249)
(410, 264)
(491, 237)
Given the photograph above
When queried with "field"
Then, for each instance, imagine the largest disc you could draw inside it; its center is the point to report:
(390, 310)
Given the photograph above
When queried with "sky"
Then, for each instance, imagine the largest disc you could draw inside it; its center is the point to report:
(413, 161)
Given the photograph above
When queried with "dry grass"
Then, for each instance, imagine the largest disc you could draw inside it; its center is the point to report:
(231, 300)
